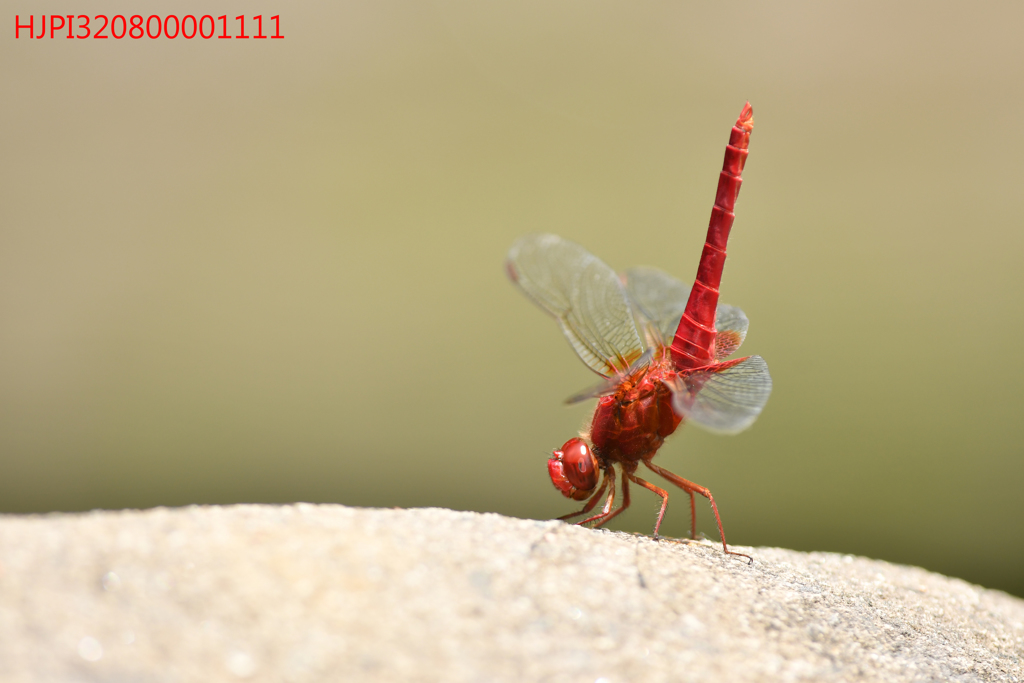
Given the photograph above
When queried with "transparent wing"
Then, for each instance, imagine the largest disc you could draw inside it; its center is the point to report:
(661, 300)
(658, 297)
(583, 294)
(724, 398)
(731, 324)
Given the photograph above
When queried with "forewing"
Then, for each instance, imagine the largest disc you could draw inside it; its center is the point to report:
(583, 294)
(661, 300)
(725, 398)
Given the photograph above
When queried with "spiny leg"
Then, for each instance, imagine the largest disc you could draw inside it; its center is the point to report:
(625, 503)
(662, 493)
(593, 499)
(692, 488)
(609, 502)
(693, 516)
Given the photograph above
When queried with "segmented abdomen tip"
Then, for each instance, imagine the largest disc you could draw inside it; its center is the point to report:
(746, 119)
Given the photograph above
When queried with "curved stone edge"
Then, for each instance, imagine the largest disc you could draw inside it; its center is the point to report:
(314, 592)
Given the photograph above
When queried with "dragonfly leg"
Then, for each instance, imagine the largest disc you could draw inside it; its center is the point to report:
(607, 516)
(692, 488)
(609, 502)
(693, 516)
(662, 493)
(593, 499)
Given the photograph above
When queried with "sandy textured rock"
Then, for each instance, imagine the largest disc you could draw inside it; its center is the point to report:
(328, 593)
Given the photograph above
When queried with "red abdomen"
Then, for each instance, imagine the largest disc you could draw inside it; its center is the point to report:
(693, 344)
(632, 424)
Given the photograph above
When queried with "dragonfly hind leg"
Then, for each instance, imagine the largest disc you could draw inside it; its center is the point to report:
(690, 488)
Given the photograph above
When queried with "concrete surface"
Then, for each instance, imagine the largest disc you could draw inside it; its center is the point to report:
(329, 593)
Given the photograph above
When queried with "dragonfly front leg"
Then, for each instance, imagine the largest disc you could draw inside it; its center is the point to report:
(593, 499)
(607, 516)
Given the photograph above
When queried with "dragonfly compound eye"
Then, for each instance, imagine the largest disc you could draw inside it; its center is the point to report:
(573, 469)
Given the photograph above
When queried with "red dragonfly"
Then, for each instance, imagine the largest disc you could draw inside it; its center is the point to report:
(661, 346)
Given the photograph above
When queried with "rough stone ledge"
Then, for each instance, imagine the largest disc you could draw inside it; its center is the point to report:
(330, 593)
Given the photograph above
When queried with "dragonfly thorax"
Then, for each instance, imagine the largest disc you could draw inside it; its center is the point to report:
(631, 424)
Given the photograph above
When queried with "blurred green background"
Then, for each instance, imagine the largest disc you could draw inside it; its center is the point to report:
(271, 271)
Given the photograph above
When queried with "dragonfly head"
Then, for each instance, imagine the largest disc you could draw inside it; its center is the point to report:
(573, 469)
